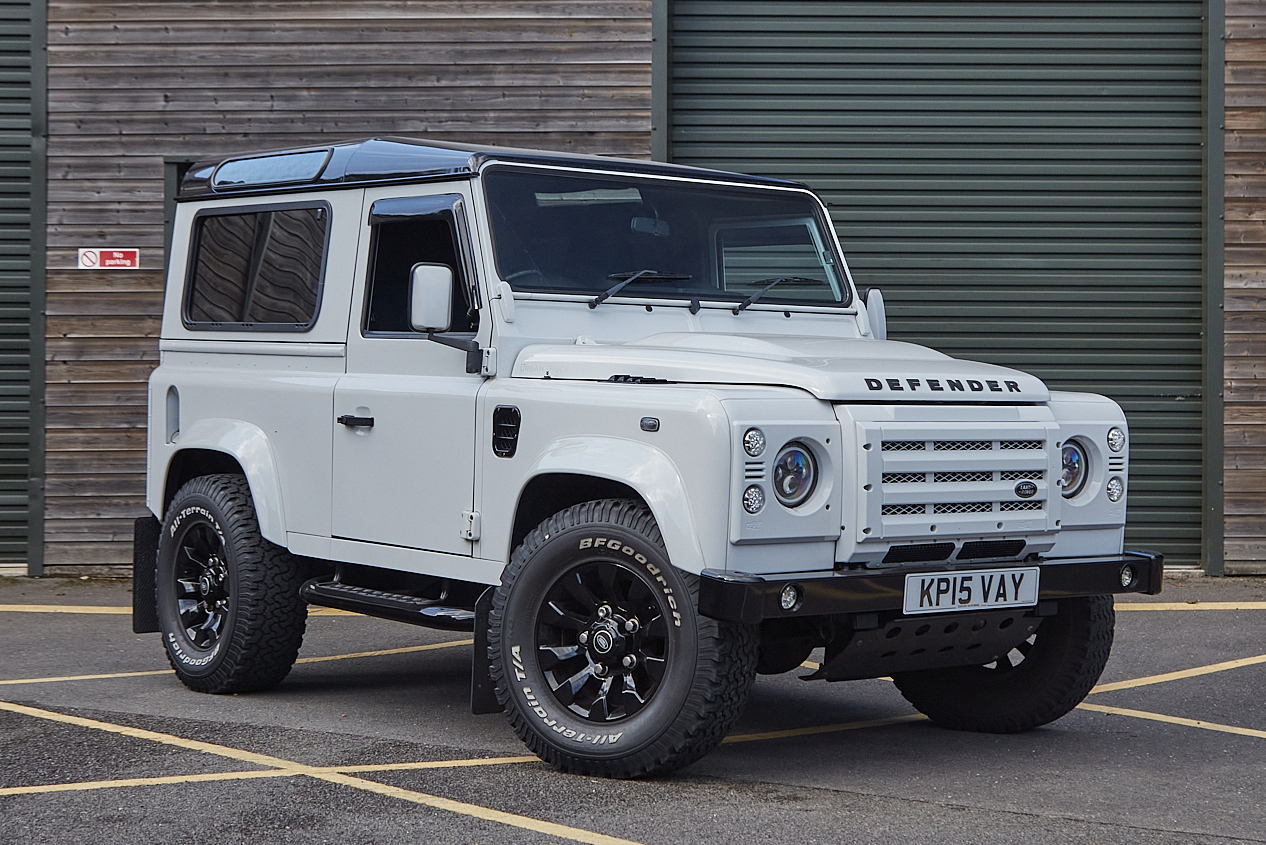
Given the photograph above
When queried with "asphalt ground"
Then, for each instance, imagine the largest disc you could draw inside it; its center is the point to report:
(370, 740)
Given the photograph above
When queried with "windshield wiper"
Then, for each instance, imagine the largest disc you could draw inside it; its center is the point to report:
(772, 282)
(632, 276)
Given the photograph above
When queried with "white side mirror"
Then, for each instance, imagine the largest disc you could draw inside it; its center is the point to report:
(875, 312)
(430, 297)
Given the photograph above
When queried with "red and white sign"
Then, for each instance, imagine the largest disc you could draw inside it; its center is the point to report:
(109, 259)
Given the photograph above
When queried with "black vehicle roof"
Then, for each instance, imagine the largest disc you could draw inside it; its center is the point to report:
(387, 160)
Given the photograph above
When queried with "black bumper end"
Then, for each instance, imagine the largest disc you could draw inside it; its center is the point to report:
(751, 599)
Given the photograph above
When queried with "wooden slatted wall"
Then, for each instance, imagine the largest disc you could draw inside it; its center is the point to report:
(1244, 365)
(132, 82)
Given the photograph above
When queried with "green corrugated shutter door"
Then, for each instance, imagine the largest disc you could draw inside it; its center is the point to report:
(15, 276)
(1022, 180)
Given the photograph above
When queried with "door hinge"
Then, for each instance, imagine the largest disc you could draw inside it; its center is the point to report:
(488, 369)
(470, 525)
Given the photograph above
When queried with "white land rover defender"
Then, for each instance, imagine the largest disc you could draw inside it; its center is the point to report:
(629, 423)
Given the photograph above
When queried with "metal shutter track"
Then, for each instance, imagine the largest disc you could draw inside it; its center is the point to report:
(15, 276)
(1022, 180)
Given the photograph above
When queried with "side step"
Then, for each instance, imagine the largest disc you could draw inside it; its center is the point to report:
(425, 612)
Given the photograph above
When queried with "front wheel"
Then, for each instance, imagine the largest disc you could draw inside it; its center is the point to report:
(228, 600)
(597, 650)
(1041, 679)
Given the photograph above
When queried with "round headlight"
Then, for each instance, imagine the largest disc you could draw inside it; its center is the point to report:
(1116, 488)
(753, 499)
(1073, 474)
(754, 442)
(1116, 439)
(795, 474)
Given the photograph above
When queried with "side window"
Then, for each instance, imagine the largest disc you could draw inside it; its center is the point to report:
(398, 245)
(257, 270)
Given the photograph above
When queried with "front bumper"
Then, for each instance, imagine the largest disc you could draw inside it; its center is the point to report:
(751, 599)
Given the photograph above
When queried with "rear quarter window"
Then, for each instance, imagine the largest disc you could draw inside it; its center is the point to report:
(257, 269)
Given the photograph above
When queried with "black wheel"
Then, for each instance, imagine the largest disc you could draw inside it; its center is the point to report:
(599, 654)
(228, 600)
(1038, 681)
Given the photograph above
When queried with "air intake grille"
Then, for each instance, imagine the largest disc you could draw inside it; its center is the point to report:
(990, 548)
(904, 510)
(1021, 506)
(1022, 444)
(505, 430)
(903, 446)
(963, 507)
(1022, 475)
(964, 445)
(904, 477)
(962, 477)
(920, 553)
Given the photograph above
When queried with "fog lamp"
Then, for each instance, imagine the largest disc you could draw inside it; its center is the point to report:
(789, 598)
(1127, 575)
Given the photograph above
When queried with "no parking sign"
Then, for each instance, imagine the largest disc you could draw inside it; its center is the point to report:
(109, 259)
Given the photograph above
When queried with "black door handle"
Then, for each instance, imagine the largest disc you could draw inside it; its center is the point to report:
(349, 420)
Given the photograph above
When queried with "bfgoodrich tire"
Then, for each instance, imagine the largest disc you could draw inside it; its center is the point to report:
(228, 601)
(1037, 682)
(599, 655)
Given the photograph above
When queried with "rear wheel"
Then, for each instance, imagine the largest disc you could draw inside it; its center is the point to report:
(1038, 681)
(228, 601)
(598, 653)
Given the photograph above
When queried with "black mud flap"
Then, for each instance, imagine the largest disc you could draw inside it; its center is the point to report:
(483, 697)
(145, 533)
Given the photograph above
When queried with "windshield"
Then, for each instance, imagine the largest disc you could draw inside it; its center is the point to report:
(582, 234)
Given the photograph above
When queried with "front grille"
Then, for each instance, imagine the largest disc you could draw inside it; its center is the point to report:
(964, 445)
(904, 510)
(955, 483)
(978, 549)
(962, 477)
(921, 553)
(963, 507)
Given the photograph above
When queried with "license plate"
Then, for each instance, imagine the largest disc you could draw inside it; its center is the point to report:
(945, 592)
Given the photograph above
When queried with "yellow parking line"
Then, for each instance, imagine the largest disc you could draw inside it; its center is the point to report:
(433, 764)
(1174, 720)
(405, 650)
(64, 608)
(386, 651)
(824, 729)
(85, 786)
(288, 767)
(1179, 675)
(1190, 605)
(84, 677)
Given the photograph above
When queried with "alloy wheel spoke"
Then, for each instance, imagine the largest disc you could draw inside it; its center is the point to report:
(553, 656)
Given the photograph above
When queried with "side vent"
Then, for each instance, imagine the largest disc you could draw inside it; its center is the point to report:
(505, 430)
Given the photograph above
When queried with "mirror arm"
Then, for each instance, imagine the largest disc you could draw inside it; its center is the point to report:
(474, 354)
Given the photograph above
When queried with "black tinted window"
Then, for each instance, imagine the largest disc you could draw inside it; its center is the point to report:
(257, 270)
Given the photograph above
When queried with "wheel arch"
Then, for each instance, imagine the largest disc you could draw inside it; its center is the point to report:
(231, 447)
(574, 470)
